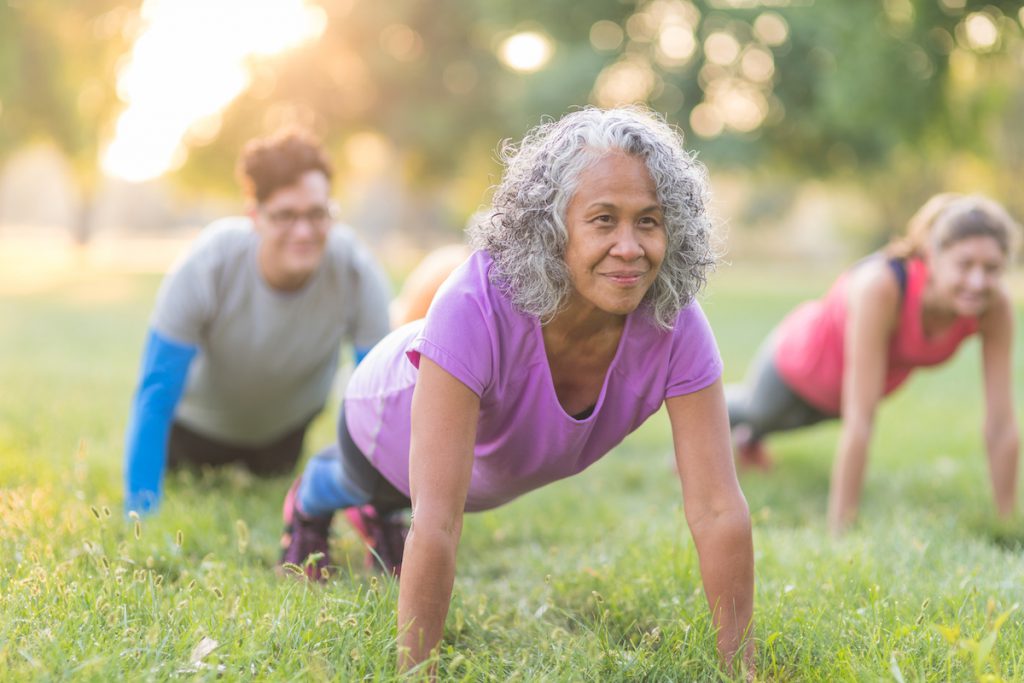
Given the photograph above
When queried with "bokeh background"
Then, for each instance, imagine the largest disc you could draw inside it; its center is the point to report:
(824, 123)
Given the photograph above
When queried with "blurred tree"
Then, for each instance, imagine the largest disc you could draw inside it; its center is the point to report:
(825, 88)
(816, 85)
(890, 92)
(57, 60)
(422, 75)
(899, 105)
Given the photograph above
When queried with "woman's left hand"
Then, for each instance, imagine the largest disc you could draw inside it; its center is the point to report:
(444, 417)
(717, 514)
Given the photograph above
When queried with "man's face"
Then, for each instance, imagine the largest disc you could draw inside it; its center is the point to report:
(293, 223)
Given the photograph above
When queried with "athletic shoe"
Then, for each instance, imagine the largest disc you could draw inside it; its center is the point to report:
(384, 534)
(304, 542)
(750, 452)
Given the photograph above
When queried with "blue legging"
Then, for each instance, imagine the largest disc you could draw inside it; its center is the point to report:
(325, 488)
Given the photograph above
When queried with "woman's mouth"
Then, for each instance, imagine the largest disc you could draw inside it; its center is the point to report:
(626, 278)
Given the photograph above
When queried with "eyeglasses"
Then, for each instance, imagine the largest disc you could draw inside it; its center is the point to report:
(318, 217)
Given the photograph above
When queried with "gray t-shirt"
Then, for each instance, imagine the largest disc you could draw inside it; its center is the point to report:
(266, 358)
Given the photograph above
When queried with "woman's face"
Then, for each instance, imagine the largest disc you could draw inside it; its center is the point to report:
(966, 273)
(617, 235)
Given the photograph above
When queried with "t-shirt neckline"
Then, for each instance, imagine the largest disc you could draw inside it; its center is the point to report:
(550, 381)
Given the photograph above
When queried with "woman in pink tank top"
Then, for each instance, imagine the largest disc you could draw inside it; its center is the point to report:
(910, 306)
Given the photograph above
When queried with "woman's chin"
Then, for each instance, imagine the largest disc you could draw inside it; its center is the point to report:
(971, 307)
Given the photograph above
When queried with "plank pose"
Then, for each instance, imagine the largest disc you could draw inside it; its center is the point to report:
(243, 344)
(908, 306)
(572, 323)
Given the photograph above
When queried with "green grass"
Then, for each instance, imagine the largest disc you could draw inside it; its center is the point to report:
(591, 579)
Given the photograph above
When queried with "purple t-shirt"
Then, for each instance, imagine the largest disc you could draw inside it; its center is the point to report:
(524, 438)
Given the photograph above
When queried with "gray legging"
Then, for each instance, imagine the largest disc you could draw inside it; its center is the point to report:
(764, 402)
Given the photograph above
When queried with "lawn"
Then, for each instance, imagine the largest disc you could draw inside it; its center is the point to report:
(591, 579)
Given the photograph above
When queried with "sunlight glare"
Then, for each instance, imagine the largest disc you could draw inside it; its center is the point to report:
(628, 81)
(757, 64)
(677, 42)
(705, 121)
(606, 35)
(771, 29)
(527, 51)
(189, 63)
(982, 32)
(721, 48)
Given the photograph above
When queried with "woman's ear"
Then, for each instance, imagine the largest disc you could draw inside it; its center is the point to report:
(929, 251)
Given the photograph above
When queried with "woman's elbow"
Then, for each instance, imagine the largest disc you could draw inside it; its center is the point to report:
(1003, 435)
(858, 426)
(730, 519)
(438, 527)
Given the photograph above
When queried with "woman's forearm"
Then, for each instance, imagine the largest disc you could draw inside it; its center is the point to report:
(848, 476)
(1003, 446)
(425, 590)
(726, 552)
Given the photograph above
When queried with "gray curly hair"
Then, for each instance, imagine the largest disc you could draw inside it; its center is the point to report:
(524, 231)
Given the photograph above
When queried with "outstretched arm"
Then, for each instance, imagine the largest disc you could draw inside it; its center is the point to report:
(717, 514)
(1002, 438)
(162, 378)
(872, 312)
(444, 418)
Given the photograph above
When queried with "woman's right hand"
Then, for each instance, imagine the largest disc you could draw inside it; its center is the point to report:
(444, 419)
(872, 314)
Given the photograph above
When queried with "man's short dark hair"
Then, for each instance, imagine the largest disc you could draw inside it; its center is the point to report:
(279, 160)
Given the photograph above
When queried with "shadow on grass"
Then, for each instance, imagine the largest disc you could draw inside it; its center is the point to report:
(794, 492)
(1004, 534)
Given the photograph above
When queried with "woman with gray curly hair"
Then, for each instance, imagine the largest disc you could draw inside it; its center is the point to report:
(570, 325)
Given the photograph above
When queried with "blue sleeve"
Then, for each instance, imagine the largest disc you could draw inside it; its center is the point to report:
(360, 353)
(165, 365)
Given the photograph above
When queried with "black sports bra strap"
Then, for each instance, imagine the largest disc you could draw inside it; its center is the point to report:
(899, 269)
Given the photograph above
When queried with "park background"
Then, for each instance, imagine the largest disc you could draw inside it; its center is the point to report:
(824, 126)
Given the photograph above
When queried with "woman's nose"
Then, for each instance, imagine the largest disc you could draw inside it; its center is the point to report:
(977, 278)
(627, 246)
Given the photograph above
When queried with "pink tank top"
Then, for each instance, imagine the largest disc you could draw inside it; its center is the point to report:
(809, 352)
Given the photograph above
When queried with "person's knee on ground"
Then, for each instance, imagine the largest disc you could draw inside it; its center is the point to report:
(748, 426)
(323, 487)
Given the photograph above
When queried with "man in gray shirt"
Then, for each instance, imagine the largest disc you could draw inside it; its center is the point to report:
(243, 345)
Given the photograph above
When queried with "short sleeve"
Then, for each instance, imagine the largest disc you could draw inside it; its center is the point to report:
(694, 361)
(371, 322)
(459, 332)
(186, 299)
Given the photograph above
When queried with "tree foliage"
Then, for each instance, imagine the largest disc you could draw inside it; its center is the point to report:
(57, 66)
(818, 87)
(850, 85)
(57, 85)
